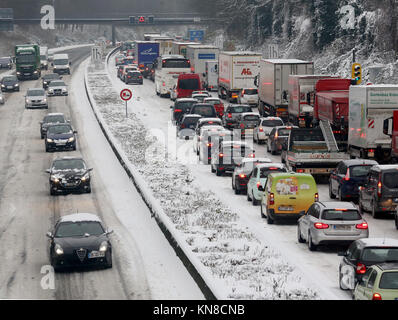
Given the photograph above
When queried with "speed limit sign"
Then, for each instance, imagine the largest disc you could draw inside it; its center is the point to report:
(126, 94)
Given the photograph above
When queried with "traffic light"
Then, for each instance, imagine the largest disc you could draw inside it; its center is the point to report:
(357, 73)
(132, 20)
(142, 19)
(151, 20)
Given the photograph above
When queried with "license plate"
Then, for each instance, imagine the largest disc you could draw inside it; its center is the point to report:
(96, 254)
(27, 74)
(285, 209)
(341, 227)
(249, 131)
(61, 144)
(9, 87)
(320, 170)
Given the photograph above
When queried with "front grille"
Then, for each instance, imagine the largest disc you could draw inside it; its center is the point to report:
(57, 91)
(81, 254)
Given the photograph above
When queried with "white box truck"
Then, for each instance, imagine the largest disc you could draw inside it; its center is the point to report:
(273, 84)
(198, 54)
(211, 75)
(44, 57)
(166, 44)
(181, 47)
(237, 70)
(371, 110)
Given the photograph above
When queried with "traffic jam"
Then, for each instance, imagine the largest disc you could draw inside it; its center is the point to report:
(318, 151)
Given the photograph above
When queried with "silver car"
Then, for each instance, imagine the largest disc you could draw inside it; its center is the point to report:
(331, 223)
(36, 98)
(57, 88)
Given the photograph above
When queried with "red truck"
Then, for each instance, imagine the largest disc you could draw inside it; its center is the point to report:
(331, 104)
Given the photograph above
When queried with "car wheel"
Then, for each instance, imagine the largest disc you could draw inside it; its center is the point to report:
(396, 221)
(300, 239)
(218, 172)
(109, 259)
(47, 150)
(331, 194)
(52, 192)
(273, 152)
(262, 213)
(311, 245)
(375, 214)
(237, 191)
(255, 202)
(248, 196)
(41, 136)
(89, 189)
(212, 169)
(269, 219)
(268, 150)
(341, 198)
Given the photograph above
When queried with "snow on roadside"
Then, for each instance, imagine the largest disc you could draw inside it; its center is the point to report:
(238, 264)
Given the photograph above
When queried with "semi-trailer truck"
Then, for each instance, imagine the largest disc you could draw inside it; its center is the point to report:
(27, 61)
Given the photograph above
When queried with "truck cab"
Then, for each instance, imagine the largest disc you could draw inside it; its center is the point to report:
(27, 61)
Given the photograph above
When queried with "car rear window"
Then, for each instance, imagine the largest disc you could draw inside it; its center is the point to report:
(341, 215)
(283, 132)
(389, 280)
(54, 119)
(240, 109)
(391, 180)
(189, 121)
(250, 91)
(188, 84)
(359, 171)
(272, 123)
(264, 172)
(206, 111)
(251, 118)
(378, 255)
(185, 106)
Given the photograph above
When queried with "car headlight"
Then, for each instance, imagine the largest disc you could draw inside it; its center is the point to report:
(86, 177)
(104, 246)
(54, 179)
(35, 71)
(28, 101)
(2, 85)
(58, 249)
(50, 140)
(16, 85)
(45, 100)
(71, 139)
(18, 73)
(44, 82)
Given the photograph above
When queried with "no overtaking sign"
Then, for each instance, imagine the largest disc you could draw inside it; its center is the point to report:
(126, 95)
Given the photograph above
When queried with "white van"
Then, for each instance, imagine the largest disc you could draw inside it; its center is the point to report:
(61, 63)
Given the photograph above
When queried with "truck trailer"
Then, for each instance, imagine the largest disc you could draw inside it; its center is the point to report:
(211, 75)
(146, 52)
(198, 54)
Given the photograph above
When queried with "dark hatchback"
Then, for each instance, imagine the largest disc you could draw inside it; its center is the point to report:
(80, 240)
(60, 137)
(5, 63)
(181, 107)
(278, 138)
(133, 77)
(232, 113)
(186, 128)
(47, 78)
(204, 109)
(347, 177)
(9, 83)
(69, 174)
(50, 119)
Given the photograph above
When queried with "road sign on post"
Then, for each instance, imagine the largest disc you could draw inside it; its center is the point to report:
(126, 95)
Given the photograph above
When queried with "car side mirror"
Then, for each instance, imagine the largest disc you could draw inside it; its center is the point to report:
(49, 235)
(171, 107)
(90, 169)
(48, 171)
(75, 132)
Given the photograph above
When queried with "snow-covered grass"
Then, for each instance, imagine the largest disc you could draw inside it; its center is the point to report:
(233, 262)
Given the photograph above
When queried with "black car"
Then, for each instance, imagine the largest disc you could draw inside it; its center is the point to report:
(278, 137)
(186, 128)
(345, 180)
(48, 78)
(181, 107)
(205, 110)
(69, 174)
(9, 83)
(80, 240)
(147, 70)
(60, 137)
(232, 114)
(5, 63)
(50, 119)
(362, 254)
(133, 77)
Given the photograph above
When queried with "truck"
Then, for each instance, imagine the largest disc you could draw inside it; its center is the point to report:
(166, 44)
(211, 75)
(331, 106)
(237, 70)
(273, 84)
(44, 58)
(181, 47)
(302, 99)
(146, 52)
(312, 150)
(61, 63)
(371, 108)
(27, 61)
(198, 54)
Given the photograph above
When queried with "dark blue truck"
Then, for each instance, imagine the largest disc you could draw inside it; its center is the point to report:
(146, 52)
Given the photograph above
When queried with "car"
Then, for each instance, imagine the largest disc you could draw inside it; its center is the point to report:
(201, 92)
(204, 109)
(133, 77)
(60, 137)
(277, 138)
(287, 196)
(331, 223)
(379, 194)
(258, 177)
(50, 119)
(5, 63)
(242, 173)
(379, 283)
(126, 69)
(186, 127)
(218, 105)
(79, 240)
(264, 128)
(361, 255)
(128, 60)
(345, 180)
(47, 78)
(151, 74)
(229, 154)
(211, 139)
(36, 98)
(202, 132)
(69, 174)
(200, 96)
(2, 99)
(249, 96)
(119, 59)
(147, 70)
(186, 84)
(204, 122)
(232, 112)
(57, 88)
(246, 122)
(9, 83)
(181, 106)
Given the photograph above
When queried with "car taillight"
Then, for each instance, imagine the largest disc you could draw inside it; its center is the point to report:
(376, 296)
(209, 144)
(276, 135)
(379, 185)
(258, 184)
(300, 170)
(320, 225)
(221, 155)
(182, 126)
(252, 155)
(362, 226)
(164, 84)
(242, 126)
(316, 197)
(271, 199)
(347, 176)
(128, 76)
(140, 77)
(242, 176)
(177, 110)
(230, 115)
(261, 129)
(361, 268)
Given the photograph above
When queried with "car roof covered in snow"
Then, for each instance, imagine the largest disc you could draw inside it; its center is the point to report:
(80, 217)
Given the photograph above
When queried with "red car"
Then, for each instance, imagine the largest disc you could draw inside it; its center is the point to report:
(217, 103)
(186, 84)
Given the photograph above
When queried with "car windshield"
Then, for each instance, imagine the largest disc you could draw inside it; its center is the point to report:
(131, 69)
(308, 135)
(185, 105)
(176, 63)
(264, 172)
(389, 280)
(57, 84)
(359, 171)
(35, 93)
(189, 84)
(54, 119)
(213, 102)
(79, 229)
(250, 91)
(378, 255)
(272, 123)
(206, 111)
(65, 129)
(134, 74)
(10, 78)
(61, 62)
(391, 180)
(69, 164)
(341, 215)
(240, 109)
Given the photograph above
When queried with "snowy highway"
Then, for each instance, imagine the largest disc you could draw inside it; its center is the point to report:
(144, 264)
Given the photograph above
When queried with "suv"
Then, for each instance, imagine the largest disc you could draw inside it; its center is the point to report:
(362, 254)
(264, 128)
(211, 138)
(181, 106)
(379, 194)
(204, 109)
(249, 96)
(231, 114)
